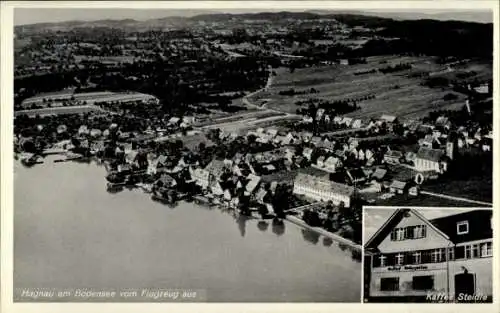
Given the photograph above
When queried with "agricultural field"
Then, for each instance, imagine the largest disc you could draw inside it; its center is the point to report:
(59, 110)
(400, 93)
(106, 59)
(468, 72)
(238, 117)
(246, 123)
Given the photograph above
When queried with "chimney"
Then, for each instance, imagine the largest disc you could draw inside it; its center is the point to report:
(467, 105)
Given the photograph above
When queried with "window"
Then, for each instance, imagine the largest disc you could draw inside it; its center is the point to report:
(423, 282)
(389, 284)
(393, 235)
(426, 256)
(400, 234)
(382, 260)
(436, 256)
(397, 234)
(460, 252)
(399, 259)
(419, 231)
(467, 252)
(463, 228)
(451, 254)
(486, 249)
(417, 258)
(442, 255)
(410, 232)
(475, 251)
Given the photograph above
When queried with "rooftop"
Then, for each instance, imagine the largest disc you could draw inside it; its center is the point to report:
(323, 184)
(429, 154)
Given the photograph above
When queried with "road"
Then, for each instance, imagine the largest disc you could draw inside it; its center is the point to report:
(252, 121)
(265, 88)
(247, 102)
(440, 195)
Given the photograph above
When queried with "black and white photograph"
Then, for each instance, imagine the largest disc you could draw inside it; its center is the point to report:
(225, 155)
(430, 255)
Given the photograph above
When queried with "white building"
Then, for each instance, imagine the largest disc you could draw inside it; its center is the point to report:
(412, 257)
(428, 159)
(321, 189)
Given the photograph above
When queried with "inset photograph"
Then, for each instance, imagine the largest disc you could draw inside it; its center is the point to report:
(433, 255)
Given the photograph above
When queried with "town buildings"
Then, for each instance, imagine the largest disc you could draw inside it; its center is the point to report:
(322, 189)
(429, 159)
(412, 258)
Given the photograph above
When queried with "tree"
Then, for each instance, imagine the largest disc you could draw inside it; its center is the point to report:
(263, 211)
(344, 211)
(201, 146)
(450, 97)
(179, 145)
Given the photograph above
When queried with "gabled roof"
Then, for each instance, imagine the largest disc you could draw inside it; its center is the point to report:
(442, 121)
(392, 221)
(478, 221)
(410, 155)
(379, 173)
(327, 145)
(388, 118)
(430, 154)
(398, 184)
(316, 140)
(315, 172)
(424, 128)
(161, 159)
(339, 153)
(323, 184)
(167, 179)
(332, 161)
(261, 193)
(215, 167)
(355, 174)
(252, 184)
(347, 120)
(307, 151)
(394, 154)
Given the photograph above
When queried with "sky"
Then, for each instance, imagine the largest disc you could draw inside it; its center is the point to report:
(374, 218)
(24, 16)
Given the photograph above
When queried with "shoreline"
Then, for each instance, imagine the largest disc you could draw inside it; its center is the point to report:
(203, 200)
(297, 221)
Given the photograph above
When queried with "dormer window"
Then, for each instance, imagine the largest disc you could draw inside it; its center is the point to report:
(463, 228)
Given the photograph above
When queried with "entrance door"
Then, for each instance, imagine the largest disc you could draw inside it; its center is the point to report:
(464, 283)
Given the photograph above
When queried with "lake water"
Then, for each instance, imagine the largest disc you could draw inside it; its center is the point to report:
(69, 232)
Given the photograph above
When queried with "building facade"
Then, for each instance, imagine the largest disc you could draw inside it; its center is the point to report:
(429, 159)
(322, 189)
(445, 259)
